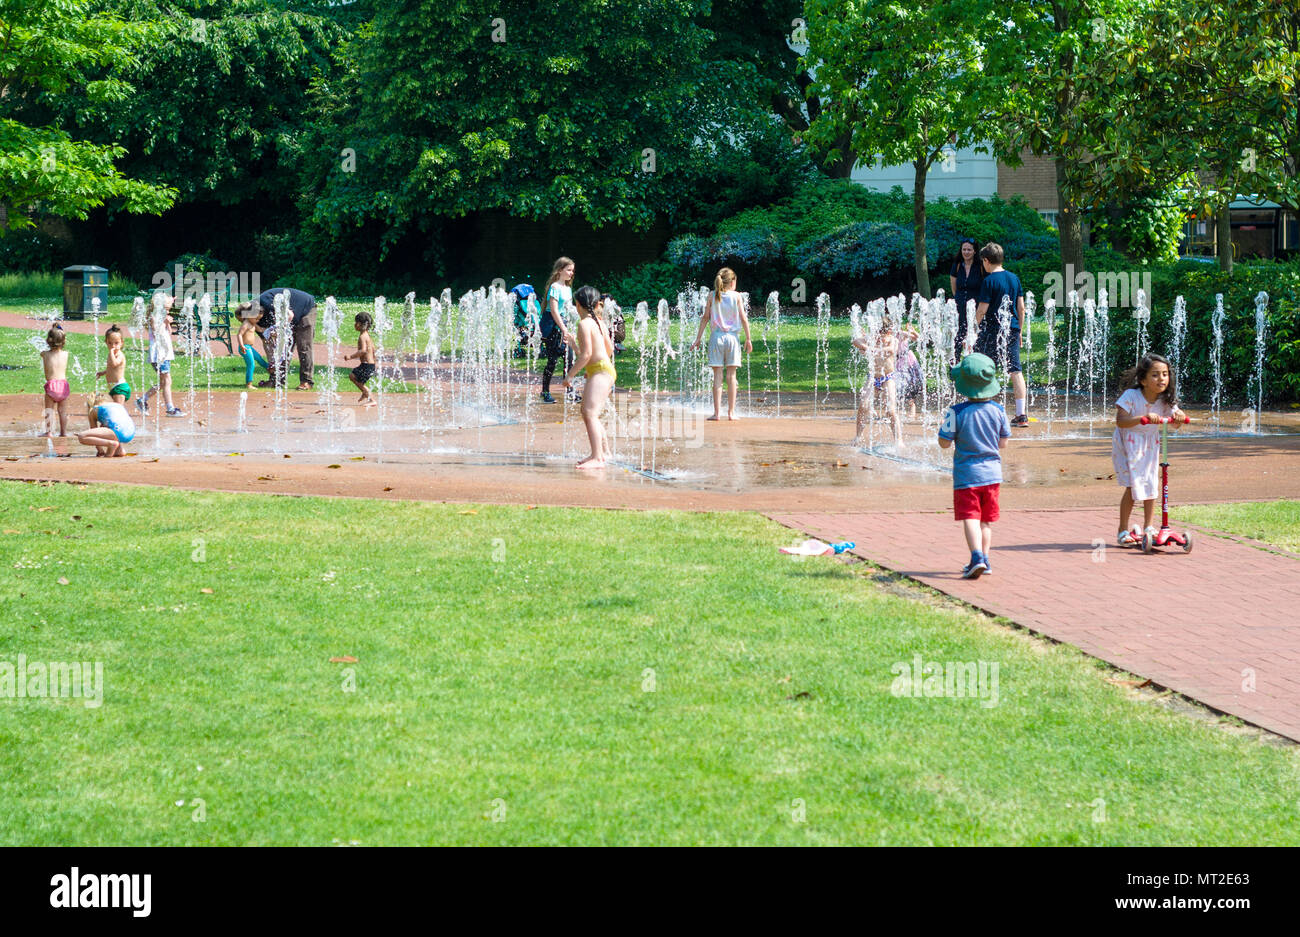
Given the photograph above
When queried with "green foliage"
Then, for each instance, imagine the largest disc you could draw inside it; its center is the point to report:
(1146, 228)
(1198, 284)
(220, 95)
(649, 283)
(557, 119)
(837, 234)
(50, 48)
(31, 249)
(1237, 61)
(196, 263)
(904, 82)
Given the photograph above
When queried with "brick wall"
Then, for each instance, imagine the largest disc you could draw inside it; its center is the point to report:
(1035, 181)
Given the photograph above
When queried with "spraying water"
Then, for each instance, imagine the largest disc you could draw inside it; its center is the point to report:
(1142, 313)
(282, 316)
(772, 325)
(821, 361)
(381, 326)
(1178, 335)
(1256, 383)
(331, 321)
(1216, 359)
(205, 356)
(1049, 314)
(94, 319)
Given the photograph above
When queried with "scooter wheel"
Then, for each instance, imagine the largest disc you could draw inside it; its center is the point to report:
(1187, 542)
(1148, 543)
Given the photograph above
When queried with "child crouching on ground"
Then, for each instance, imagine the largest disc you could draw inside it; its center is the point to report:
(110, 426)
(978, 429)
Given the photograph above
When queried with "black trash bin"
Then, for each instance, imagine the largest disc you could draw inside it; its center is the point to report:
(81, 284)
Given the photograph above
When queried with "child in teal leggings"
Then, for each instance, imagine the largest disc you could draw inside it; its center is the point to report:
(252, 357)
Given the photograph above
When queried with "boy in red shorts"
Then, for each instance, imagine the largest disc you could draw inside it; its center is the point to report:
(978, 429)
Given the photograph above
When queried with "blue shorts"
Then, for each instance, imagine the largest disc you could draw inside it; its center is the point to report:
(987, 344)
(162, 367)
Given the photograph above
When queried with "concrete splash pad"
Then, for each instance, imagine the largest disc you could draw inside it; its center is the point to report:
(667, 455)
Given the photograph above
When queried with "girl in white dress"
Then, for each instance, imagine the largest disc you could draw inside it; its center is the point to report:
(1135, 450)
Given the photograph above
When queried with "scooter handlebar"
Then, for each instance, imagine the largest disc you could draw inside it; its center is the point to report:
(1146, 420)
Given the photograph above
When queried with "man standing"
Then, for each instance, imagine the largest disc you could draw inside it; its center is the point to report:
(302, 309)
(1000, 284)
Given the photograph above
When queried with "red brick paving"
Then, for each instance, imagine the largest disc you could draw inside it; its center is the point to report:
(1194, 623)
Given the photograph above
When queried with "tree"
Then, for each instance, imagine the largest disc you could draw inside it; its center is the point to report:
(577, 108)
(1211, 103)
(905, 84)
(45, 50)
(1046, 60)
(760, 44)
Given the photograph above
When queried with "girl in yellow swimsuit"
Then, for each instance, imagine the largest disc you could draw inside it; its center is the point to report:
(595, 351)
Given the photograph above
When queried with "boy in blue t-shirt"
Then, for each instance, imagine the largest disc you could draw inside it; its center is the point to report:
(997, 285)
(979, 430)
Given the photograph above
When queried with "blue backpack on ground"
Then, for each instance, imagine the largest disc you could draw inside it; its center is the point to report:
(528, 312)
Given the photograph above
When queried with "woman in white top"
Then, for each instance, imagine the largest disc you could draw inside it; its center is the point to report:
(726, 318)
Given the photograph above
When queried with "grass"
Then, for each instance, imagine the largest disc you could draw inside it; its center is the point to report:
(600, 677)
(43, 286)
(1275, 522)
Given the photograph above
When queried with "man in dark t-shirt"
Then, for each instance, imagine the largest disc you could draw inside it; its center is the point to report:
(302, 310)
(997, 287)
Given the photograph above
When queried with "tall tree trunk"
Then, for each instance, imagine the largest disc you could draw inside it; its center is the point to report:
(1223, 236)
(842, 168)
(1070, 225)
(918, 223)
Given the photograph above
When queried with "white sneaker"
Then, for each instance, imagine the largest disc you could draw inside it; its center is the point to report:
(1125, 538)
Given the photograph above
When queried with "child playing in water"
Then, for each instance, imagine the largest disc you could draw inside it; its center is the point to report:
(114, 373)
(365, 355)
(110, 427)
(726, 318)
(161, 354)
(886, 377)
(979, 428)
(910, 368)
(1135, 449)
(248, 316)
(595, 356)
(55, 361)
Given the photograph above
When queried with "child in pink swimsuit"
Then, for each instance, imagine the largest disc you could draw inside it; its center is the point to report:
(55, 360)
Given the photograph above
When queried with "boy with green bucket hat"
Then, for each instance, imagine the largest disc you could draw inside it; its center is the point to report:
(978, 429)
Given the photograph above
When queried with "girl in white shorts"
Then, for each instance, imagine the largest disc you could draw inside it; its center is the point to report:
(1135, 450)
(726, 319)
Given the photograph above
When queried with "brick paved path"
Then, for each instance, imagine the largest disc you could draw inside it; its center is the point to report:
(1198, 623)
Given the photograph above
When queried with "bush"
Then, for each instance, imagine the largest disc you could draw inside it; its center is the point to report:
(745, 247)
(31, 250)
(195, 263)
(833, 232)
(649, 283)
(866, 250)
(1198, 284)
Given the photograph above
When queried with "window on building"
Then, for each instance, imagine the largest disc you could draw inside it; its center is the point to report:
(1051, 216)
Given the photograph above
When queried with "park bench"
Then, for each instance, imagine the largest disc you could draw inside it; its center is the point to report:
(218, 322)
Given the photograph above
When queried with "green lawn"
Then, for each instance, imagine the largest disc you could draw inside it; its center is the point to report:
(582, 677)
(1275, 522)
